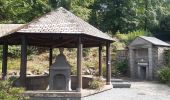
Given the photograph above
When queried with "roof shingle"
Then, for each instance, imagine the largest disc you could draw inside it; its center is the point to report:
(6, 29)
(62, 21)
(155, 41)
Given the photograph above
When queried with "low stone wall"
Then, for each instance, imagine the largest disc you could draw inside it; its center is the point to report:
(41, 82)
(37, 82)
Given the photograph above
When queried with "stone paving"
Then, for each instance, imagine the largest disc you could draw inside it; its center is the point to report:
(139, 91)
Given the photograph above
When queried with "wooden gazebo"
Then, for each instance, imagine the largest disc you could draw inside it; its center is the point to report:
(59, 28)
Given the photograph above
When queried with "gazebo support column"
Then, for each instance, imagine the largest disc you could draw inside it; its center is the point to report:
(23, 66)
(50, 56)
(79, 68)
(4, 61)
(100, 61)
(108, 64)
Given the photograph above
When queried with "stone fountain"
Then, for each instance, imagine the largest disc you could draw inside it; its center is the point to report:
(60, 73)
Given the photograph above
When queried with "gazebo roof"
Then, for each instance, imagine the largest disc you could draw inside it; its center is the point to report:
(58, 28)
(61, 21)
(6, 29)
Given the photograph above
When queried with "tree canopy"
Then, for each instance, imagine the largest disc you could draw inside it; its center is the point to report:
(107, 15)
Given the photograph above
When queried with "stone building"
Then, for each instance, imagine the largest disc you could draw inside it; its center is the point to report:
(146, 57)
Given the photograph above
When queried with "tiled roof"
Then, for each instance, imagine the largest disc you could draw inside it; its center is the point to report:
(6, 29)
(155, 41)
(62, 21)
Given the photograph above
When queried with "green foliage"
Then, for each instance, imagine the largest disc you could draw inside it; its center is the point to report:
(96, 83)
(73, 70)
(21, 11)
(7, 92)
(104, 70)
(118, 46)
(128, 15)
(15, 51)
(37, 70)
(14, 64)
(85, 52)
(59, 3)
(121, 67)
(108, 15)
(127, 38)
(82, 8)
(164, 75)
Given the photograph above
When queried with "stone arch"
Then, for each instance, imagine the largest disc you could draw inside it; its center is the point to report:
(59, 82)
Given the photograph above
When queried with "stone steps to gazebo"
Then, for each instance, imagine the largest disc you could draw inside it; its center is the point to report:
(119, 83)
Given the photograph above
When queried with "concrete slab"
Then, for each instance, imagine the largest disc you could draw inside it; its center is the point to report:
(62, 95)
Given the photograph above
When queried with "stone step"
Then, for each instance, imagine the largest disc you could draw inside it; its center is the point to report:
(121, 84)
(116, 80)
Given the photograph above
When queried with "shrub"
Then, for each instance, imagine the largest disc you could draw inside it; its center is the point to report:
(164, 74)
(167, 57)
(7, 92)
(85, 52)
(130, 36)
(121, 67)
(96, 83)
(74, 70)
(15, 51)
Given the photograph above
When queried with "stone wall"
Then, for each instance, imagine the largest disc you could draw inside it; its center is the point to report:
(41, 82)
(158, 58)
(155, 61)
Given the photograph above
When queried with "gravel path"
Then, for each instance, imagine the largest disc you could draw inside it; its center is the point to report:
(138, 91)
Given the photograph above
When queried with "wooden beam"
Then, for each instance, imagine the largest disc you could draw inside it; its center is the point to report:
(108, 64)
(64, 42)
(23, 65)
(100, 61)
(50, 56)
(79, 67)
(4, 61)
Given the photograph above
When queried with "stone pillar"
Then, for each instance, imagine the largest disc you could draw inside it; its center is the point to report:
(100, 61)
(23, 65)
(50, 56)
(139, 71)
(150, 57)
(108, 64)
(4, 61)
(132, 62)
(79, 67)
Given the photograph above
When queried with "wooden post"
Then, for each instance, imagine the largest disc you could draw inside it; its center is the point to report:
(23, 65)
(79, 68)
(50, 56)
(108, 64)
(4, 61)
(100, 61)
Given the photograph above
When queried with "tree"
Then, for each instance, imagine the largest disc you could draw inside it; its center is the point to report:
(21, 11)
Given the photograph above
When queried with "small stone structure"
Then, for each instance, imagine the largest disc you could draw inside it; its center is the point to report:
(146, 57)
(60, 73)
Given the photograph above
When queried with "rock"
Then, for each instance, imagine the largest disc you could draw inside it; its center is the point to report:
(30, 73)
(46, 72)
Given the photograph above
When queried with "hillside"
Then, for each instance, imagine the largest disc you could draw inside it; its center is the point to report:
(38, 64)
